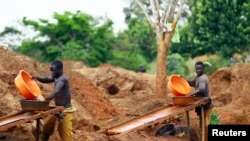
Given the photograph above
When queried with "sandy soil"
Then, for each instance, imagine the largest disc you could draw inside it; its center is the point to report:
(106, 96)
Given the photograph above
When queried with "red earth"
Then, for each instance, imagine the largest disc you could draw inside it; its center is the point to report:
(107, 95)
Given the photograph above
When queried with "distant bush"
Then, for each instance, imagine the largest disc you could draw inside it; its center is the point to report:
(212, 64)
(176, 64)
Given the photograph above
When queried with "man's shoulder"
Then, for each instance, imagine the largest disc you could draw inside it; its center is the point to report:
(203, 77)
(63, 77)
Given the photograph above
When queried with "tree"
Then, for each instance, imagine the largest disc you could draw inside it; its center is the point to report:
(136, 42)
(216, 27)
(159, 16)
(79, 36)
(142, 35)
(76, 36)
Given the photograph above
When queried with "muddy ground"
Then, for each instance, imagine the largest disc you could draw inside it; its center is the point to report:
(106, 96)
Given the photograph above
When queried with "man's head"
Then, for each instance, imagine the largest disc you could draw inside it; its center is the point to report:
(56, 68)
(199, 68)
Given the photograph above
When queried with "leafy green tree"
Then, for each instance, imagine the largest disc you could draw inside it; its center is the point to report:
(76, 36)
(218, 26)
(144, 36)
(138, 38)
(127, 50)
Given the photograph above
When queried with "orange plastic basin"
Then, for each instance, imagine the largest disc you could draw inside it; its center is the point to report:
(178, 85)
(26, 86)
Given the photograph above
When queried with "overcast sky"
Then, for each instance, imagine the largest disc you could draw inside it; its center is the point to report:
(13, 10)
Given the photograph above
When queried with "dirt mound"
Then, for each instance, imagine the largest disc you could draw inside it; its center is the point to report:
(230, 88)
(106, 95)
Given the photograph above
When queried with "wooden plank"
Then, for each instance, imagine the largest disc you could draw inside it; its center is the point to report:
(154, 117)
(24, 117)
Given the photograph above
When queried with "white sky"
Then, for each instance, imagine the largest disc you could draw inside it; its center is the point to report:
(13, 10)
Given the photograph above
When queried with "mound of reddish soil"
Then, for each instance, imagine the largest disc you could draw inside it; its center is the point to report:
(106, 96)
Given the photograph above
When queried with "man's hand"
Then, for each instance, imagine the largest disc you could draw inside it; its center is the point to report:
(47, 99)
(60, 116)
(192, 94)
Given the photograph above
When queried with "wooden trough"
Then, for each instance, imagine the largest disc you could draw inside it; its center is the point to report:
(157, 116)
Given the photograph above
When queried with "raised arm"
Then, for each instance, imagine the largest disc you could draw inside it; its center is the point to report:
(48, 79)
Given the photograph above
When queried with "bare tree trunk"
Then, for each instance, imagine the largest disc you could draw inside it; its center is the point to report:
(163, 43)
(163, 38)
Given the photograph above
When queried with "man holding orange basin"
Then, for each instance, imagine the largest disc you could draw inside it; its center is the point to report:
(201, 85)
(62, 97)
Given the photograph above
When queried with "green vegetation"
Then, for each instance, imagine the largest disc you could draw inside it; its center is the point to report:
(216, 27)
(215, 63)
(177, 65)
(214, 117)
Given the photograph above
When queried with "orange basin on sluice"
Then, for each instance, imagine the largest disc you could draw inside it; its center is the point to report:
(27, 86)
(178, 85)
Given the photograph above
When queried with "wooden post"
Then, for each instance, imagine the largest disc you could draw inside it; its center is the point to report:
(202, 124)
(188, 124)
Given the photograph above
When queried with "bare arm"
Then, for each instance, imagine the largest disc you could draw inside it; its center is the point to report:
(48, 79)
(58, 87)
(191, 82)
(200, 89)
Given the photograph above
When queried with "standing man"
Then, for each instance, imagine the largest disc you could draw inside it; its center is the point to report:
(62, 97)
(201, 85)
